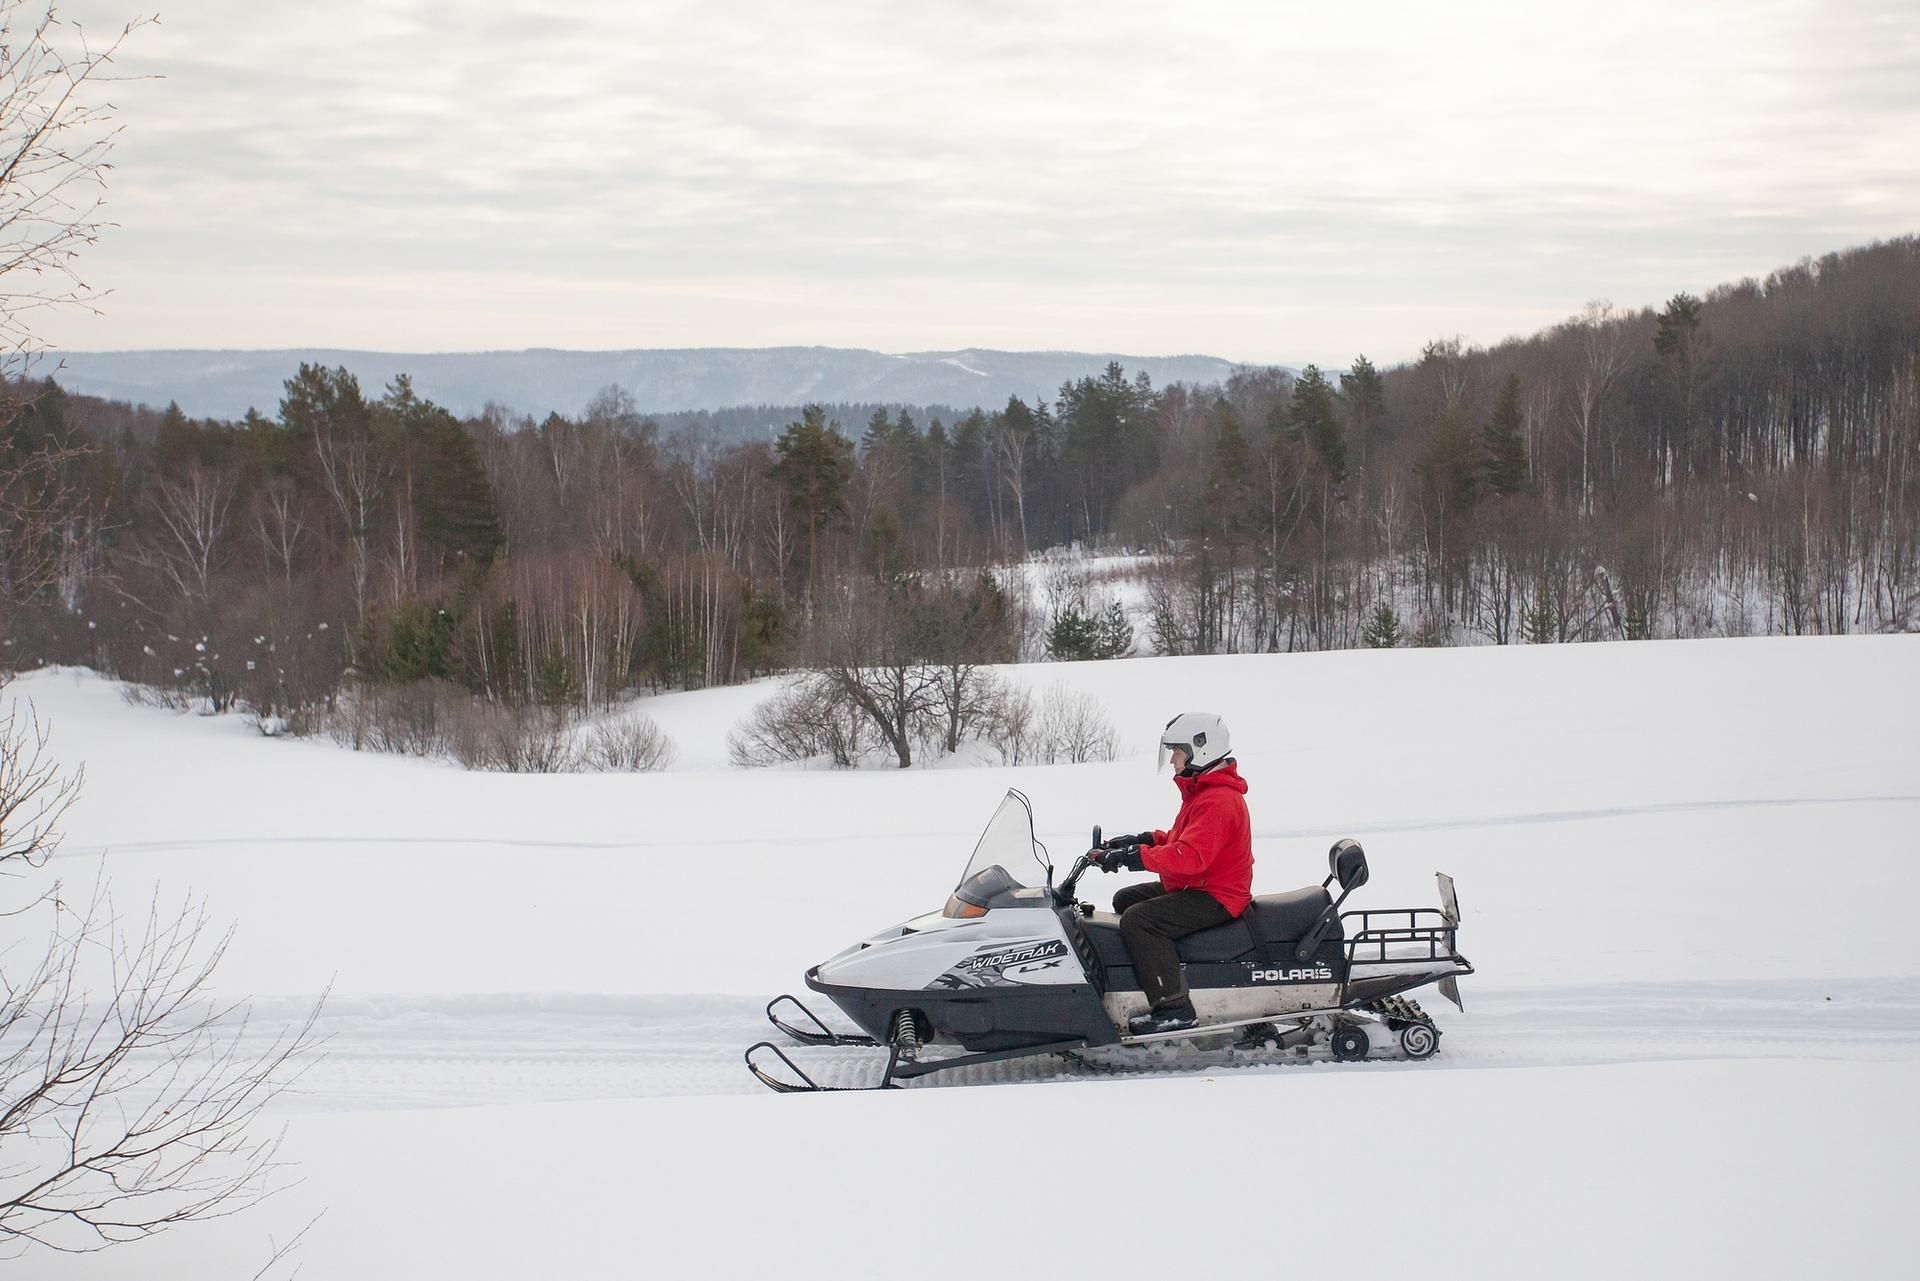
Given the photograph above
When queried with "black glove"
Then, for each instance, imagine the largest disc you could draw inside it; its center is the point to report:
(1124, 859)
(1121, 842)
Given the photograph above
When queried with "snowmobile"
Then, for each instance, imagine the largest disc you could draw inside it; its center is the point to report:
(1014, 966)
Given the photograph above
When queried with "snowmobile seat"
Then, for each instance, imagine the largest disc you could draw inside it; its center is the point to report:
(1286, 918)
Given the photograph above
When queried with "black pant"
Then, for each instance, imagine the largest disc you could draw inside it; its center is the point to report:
(1151, 918)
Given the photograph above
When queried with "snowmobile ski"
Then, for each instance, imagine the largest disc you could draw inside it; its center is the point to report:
(822, 1035)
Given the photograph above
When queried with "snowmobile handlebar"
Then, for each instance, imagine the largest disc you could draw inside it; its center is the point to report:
(1064, 894)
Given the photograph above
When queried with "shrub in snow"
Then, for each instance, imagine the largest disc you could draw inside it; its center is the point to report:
(135, 694)
(805, 721)
(1073, 728)
(816, 718)
(823, 716)
(431, 718)
(513, 740)
(407, 720)
(631, 744)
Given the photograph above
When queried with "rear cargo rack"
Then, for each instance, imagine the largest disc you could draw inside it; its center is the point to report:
(1391, 935)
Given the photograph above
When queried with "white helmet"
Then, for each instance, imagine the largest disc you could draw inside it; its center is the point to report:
(1201, 735)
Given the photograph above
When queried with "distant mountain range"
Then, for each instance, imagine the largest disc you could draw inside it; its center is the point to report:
(225, 384)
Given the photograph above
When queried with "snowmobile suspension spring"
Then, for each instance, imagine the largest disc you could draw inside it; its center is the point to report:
(906, 1035)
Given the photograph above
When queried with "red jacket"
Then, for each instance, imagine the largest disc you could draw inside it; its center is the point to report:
(1211, 845)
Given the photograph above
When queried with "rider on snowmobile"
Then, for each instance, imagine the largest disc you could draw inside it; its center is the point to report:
(1205, 864)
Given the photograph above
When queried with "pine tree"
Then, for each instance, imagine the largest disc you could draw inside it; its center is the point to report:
(1311, 418)
(879, 432)
(1432, 633)
(1364, 390)
(1503, 449)
(1538, 624)
(556, 683)
(1383, 629)
(1681, 345)
(1116, 632)
(815, 464)
(1077, 636)
(1072, 637)
(452, 499)
(1229, 474)
(1449, 465)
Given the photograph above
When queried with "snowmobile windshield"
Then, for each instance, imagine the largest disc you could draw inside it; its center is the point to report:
(1008, 845)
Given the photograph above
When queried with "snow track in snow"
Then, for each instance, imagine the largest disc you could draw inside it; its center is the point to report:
(405, 1052)
(71, 851)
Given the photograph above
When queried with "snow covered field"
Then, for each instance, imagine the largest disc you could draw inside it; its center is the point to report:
(1688, 872)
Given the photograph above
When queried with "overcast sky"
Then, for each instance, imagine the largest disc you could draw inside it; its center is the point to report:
(1266, 181)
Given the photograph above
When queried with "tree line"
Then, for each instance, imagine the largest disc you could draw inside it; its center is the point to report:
(1739, 462)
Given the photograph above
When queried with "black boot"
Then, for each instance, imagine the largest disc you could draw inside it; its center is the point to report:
(1175, 1016)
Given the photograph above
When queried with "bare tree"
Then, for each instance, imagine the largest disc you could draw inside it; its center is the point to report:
(356, 473)
(54, 144)
(1600, 365)
(128, 1096)
(127, 1106)
(192, 513)
(34, 793)
(1073, 727)
(280, 525)
(871, 652)
(36, 506)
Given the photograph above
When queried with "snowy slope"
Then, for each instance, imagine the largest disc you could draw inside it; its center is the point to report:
(1687, 870)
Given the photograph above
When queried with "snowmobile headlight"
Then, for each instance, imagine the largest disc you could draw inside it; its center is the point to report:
(959, 909)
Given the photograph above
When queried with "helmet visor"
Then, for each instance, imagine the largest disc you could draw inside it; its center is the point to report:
(1168, 749)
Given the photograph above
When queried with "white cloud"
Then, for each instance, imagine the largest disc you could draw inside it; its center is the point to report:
(1261, 181)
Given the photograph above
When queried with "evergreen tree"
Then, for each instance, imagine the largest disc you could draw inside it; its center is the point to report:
(1503, 448)
(556, 683)
(452, 500)
(815, 463)
(1681, 343)
(1383, 629)
(762, 631)
(884, 547)
(417, 644)
(325, 402)
(174, 443)
(1449, 465)
(933, 463)
(1077, 636)
(1311, 418)
(880, 432)
(1538, 625)
(1229, 474)
(1432, 633)
(1365, 394)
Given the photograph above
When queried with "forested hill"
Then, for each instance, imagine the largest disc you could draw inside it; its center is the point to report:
(1743, 462)
(225, 384)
